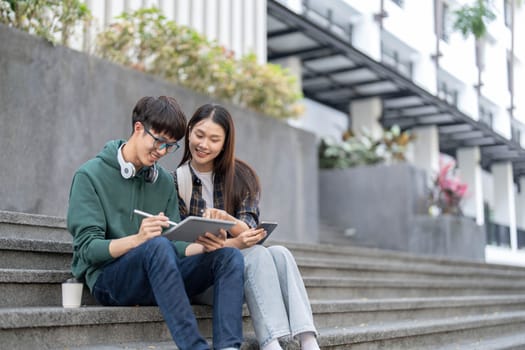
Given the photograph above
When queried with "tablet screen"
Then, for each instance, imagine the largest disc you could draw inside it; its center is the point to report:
(194, 226)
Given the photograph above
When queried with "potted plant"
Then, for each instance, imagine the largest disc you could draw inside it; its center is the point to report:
(448, 190)
(473, 20)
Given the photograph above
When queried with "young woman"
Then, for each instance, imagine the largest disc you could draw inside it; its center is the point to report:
(212, 183)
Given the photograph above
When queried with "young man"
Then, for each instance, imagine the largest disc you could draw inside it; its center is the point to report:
(123, 258)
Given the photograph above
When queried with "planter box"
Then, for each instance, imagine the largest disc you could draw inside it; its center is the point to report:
(383, 206)
(449, 236)
(377, 201)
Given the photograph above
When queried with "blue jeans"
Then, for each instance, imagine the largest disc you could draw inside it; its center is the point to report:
(153, 274)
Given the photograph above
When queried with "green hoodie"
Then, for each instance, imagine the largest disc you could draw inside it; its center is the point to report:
(101, 204)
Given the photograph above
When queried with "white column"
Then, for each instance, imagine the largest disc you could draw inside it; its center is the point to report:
(237, 35)
(365, 114)
(425, 149)
(225, 22)
(197, 16)
(366, 36)
(470, 172)
(504, 199)
(520, 206)
(182, 12)
(260, 30)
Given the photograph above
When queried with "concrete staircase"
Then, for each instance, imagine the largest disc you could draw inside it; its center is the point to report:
(361, 298)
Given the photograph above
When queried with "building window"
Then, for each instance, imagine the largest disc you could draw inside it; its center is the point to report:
(510, 82)
(516, 135)
(516, 131)
(507, 12)
(486, 116)
(391, 58)
(448, 94)
(445, 22)
(399, 3)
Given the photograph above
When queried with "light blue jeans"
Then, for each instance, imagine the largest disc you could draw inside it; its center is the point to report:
(274, 292)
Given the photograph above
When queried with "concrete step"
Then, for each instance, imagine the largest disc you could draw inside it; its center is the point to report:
(474, 331)
(21, 288)
(33, 226)
(42, 229)
(23, 253)
(107, 328)
(353, 267)
(59, 328)
(355, 288)
(43, 288)
(364, 312)
(362, 254)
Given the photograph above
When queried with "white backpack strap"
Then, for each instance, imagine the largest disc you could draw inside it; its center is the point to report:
(185, 184)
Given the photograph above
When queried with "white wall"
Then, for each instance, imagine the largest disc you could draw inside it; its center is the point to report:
(239, 25)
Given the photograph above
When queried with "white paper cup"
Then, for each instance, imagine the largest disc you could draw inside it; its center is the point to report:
(71, 294)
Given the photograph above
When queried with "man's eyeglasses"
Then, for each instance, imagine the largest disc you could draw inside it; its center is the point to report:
(161, 144)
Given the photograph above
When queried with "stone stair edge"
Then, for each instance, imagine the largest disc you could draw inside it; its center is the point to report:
(58, 276)
(340, 264)
(12, 217)
(42, 245)
(21, 218)
(343, 335)
(35, 245)
(405, 329)
(387, 253)
(393, 304)
(406, 283)
(46, 316)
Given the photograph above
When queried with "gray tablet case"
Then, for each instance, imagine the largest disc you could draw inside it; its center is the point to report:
(194, 226)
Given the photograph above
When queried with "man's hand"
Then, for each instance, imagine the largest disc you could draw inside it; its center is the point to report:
(212, 242)
(149, 228)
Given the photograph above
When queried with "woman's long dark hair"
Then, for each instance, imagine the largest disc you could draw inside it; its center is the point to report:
(240, 180)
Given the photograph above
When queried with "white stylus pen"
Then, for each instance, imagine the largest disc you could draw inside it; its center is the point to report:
(148, 215)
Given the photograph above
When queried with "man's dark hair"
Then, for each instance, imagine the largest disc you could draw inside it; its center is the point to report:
(162, 114)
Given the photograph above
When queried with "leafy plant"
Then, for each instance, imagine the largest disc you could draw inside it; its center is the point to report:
(473, 19)
(364, 150)
(148, 41)
(50, 19)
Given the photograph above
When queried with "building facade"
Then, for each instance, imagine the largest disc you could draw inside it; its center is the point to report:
(382, 62)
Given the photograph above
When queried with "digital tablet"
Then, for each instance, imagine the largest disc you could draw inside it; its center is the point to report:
(194, 226)
(268, 227)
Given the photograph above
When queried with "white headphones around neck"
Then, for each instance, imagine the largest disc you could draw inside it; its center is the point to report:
(127, 169)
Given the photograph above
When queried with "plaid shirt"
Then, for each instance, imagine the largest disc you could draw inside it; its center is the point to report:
(247, 211)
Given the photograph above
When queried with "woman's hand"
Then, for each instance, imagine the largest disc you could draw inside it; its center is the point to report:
(212, 213)
(248, 238)
(212, 242)
(240, 226)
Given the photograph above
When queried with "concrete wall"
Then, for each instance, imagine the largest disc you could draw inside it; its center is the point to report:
(58, 107)
(378, 202)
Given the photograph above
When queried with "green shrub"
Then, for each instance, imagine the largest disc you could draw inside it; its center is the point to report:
(364, 150)
(147, 41)
(50, 19)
